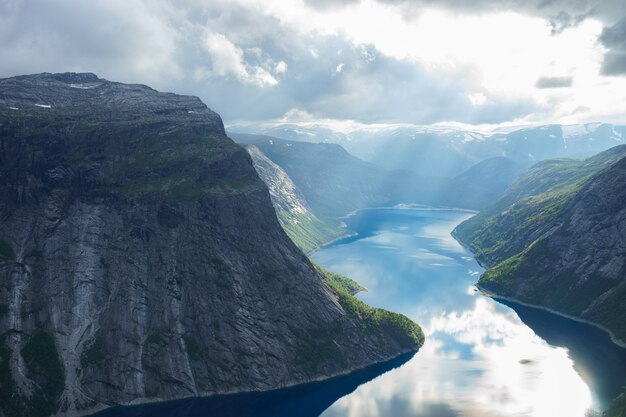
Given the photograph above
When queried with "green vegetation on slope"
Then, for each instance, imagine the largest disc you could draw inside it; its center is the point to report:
(146, 155)
(397, 325)
(607, 312)
(348, 285)
(499, 237)
(306, 231)
(500, 278)
(317, 347)
(559, 248)
(530, 206)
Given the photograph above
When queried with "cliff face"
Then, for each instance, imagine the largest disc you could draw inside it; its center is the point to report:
(332, 181)
(564, 248)
(304, 228)
(141, 258)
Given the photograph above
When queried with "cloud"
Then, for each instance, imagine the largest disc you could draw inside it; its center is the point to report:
(329, 4)
(257, 59)
(563, 20)
(614, 63)
(560, 15)
(124, 39)
(554, 82)
(281, 67)
(377, 88)
(614, 38)
(227, 60)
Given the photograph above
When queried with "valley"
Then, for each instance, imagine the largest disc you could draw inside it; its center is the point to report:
(137, 234)
(315, 208)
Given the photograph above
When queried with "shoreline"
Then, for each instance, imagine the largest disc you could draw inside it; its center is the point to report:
(495, 297)
(145, 401)
(330, 242)
(417, 207)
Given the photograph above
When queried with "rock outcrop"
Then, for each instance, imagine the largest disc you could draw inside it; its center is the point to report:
(141, 258)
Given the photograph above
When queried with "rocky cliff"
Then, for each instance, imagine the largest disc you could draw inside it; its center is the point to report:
(557, 239)
(141, 258)
(306, 230)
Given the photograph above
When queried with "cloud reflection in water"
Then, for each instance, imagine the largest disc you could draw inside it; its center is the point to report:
(481, 362)
(479, 359)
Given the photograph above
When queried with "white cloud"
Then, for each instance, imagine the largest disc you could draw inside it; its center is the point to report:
(281, 67)
(422, 62)
(228, 60)
(477, 99)
(500, 53)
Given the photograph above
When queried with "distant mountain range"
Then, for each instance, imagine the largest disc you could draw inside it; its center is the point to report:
(314, 184)
(446, 152)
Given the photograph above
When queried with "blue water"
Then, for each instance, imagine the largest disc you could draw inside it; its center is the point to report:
(481, 358)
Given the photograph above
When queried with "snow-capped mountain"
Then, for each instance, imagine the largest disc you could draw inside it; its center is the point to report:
(447, 151)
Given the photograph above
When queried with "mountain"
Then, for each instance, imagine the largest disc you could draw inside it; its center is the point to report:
(556, 239)
(141, 259)
(332, 181)
(303, 227)
(314, 184)
(426, 154)
(439, 151)
(492, 176)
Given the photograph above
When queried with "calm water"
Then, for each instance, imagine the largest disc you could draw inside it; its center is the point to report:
(481, 358)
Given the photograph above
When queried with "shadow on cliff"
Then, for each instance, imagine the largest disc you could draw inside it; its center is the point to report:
(306, 400)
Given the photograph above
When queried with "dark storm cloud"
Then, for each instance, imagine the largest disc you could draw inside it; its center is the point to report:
(554, 82)
(614, 38)
(614, 63)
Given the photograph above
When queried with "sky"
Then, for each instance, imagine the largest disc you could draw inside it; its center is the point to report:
(481, 62)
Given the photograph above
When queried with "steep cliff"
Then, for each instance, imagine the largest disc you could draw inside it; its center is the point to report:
(557, 239)
(141, 258)
(332, 181)
(306, 230)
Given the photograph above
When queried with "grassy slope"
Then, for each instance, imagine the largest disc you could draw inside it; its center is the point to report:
(339, 281)
(397, 325)
(307, 232)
